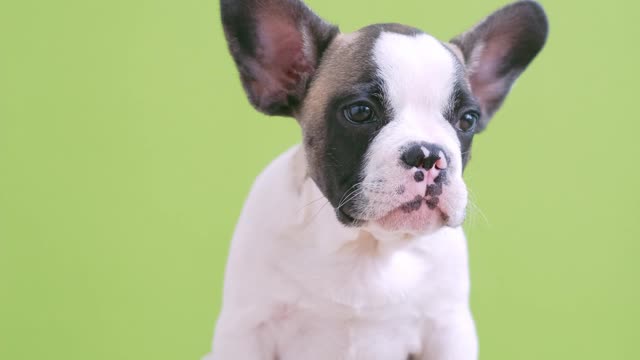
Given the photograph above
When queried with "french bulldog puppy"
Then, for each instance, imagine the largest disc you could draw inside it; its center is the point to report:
(350, 245)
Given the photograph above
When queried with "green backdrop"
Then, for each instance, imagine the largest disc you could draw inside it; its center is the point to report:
(127, 148)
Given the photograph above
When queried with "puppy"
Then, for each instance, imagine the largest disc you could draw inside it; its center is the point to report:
(350, 245)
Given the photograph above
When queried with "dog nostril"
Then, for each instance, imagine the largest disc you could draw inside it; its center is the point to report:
(413, 157)
(441, 163)
(418, 176)
(429, 161)
(425, 156)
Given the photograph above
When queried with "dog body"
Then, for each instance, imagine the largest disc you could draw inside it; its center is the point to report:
(388, 115)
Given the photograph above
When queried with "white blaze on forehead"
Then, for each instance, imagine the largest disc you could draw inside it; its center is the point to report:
(417, 70)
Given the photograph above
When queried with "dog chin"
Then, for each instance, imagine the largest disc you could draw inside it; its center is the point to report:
(421, 221)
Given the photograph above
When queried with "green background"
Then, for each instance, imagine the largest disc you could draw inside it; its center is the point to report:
(127, 148)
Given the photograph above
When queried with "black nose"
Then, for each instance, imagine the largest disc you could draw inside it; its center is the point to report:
(422, 155)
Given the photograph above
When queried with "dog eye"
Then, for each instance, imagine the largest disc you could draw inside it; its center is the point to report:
(359, 113)
(468, 121)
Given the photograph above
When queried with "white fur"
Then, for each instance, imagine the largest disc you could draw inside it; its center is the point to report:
(418, 71)
(301, 286)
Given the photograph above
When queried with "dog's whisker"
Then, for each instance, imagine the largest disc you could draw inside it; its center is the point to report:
(315, 216)
(348, 196)
(475, 208)
(351, 197)
(346, 193)
(312, 202)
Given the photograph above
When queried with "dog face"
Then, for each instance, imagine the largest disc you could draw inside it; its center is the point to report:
(388, 113)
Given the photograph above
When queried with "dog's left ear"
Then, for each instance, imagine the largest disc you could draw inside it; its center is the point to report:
(498, 49)
(277, 46)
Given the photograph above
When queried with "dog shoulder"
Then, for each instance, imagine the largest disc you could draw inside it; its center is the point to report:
(283, 177)
(266, 214)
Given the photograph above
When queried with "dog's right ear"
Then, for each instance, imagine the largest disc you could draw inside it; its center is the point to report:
(277, 46)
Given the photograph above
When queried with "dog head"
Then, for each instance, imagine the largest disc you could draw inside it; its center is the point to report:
(388, 113)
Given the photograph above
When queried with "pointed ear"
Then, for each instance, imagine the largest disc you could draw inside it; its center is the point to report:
(277, 45)
(498, 49)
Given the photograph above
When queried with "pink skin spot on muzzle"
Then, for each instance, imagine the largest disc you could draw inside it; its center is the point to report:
(441, 163)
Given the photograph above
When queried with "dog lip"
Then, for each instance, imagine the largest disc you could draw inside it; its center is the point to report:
(344, 213)
(409, 208)
(346, 218)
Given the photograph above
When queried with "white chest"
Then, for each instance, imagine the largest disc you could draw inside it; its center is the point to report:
(320, 334)
(357, 309)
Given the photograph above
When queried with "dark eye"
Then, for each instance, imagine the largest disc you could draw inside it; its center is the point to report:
(359, 113)
(468, 121)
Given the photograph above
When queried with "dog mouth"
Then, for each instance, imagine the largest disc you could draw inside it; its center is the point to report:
(419, 214)
(420, 211)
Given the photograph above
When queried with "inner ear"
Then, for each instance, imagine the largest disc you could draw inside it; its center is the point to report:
(277, 45)
(498, 49)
